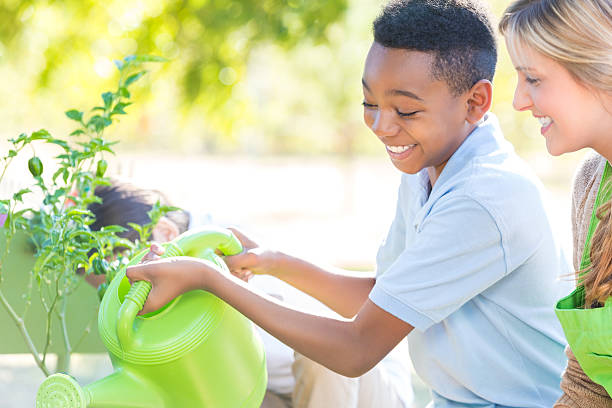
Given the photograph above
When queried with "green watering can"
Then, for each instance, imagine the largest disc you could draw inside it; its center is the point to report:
(196, 351)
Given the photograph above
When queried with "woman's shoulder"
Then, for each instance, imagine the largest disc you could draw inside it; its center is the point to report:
(587, 173)
(586, 183)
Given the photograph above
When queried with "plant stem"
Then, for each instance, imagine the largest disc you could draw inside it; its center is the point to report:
(85, 332)
(48, 327)
(28, 297)
(8, 163)
(65, 361)
(24, 333)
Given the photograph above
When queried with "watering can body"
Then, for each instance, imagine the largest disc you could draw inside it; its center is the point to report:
(196, 351)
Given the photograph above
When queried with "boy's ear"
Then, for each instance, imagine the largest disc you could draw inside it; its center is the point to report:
(479, 100)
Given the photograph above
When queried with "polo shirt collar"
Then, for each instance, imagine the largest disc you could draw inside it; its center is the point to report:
(486, 137)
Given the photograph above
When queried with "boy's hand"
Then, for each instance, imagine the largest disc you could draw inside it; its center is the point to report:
(254, 260)
(169, 277)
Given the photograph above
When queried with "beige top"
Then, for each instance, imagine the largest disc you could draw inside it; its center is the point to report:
(586, 184)
(579, 390)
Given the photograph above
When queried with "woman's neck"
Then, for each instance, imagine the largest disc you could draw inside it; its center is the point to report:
(605, 149)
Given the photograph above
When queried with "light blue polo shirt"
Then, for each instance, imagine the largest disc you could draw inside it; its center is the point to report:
(473, 265)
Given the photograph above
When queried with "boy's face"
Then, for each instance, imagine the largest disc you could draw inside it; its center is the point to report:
(417, 118)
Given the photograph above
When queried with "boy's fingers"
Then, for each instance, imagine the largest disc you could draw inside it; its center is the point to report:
(137, 273)
(239, 261)
(157, 249)
(148, 306)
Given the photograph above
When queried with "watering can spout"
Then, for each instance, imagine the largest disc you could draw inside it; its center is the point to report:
(118, 390)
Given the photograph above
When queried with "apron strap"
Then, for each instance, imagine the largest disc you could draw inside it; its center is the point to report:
(603, 195)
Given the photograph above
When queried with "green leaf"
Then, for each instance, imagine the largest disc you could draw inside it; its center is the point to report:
(107, 149)
(108, 98)
(57, 173)
(98, 108)
(119, 64)
(77, 132)
(79, 212)
(18, 196)
(40, 134)
(77, 233)
(61, 143)
(113, 229)
(123, 92)
(123, 242)
(12, 153)
(148, 58)
(98, 123)
(75, 115)
(133, 78)
(19, 139)
(135, 227)
(119, 108)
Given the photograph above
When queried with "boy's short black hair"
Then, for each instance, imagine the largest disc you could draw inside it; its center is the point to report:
(459, 33)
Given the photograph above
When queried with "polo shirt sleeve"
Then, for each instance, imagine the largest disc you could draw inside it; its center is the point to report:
(456, 255)
(393, 245)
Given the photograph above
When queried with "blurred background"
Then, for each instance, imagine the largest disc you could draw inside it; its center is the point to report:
(256, 119)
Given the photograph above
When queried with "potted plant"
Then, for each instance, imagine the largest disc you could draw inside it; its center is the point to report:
(57, 228)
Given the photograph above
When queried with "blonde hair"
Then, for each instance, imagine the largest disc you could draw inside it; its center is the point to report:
(578, 36)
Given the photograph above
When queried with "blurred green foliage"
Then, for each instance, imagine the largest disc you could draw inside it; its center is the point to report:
(255, 76)
(208, 39)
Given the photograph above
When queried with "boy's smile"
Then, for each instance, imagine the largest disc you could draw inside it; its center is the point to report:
(417, 118)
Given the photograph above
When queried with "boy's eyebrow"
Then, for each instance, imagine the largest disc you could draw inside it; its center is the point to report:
(395, 92)
(405, 93)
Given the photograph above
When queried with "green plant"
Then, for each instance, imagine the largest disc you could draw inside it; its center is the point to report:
(59, 228)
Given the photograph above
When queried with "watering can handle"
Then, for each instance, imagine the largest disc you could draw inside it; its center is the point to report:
(190, 243)
(132, 304)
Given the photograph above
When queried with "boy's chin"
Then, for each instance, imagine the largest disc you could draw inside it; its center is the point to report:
(407, 168)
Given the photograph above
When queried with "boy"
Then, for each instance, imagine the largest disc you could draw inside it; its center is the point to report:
(469, 267)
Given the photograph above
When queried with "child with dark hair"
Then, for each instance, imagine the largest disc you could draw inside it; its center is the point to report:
(468, 271)
(124, 203)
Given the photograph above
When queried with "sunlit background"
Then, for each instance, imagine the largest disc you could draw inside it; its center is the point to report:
(255, 120)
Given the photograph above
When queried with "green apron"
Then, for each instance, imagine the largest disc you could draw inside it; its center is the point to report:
(589, 331)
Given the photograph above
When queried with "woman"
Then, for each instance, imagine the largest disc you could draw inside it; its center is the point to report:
(562, 51)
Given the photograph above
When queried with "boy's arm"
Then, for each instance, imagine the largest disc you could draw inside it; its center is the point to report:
(342, 291)
(349, 347)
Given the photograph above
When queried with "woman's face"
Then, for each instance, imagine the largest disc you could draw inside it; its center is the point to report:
(572, 115)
